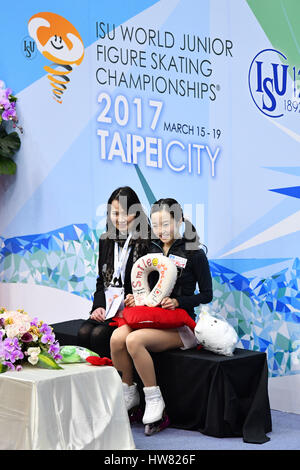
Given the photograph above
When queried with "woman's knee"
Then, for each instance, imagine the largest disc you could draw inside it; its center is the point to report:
(99, 333)
(84, 333)
(134, 343)
(118, 339)
(99, 340)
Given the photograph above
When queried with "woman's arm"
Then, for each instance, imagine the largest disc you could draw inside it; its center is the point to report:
(203, 278)
(99, 295)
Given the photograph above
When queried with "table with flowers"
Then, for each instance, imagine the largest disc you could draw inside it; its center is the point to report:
(49, 405)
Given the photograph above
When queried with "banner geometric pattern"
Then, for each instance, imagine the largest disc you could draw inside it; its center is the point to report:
(264, 312)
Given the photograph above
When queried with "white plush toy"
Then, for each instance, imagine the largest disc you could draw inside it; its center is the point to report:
(216, 334)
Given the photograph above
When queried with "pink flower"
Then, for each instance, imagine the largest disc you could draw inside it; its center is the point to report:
(9, 114)
(4, 102)
(8, 92)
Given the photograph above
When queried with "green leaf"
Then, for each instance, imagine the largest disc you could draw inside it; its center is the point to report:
(46, 361)
(3, 368)
(3, 132)
(7, 166)
(9, 144)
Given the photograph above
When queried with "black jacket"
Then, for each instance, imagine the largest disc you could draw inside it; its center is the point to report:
(196, 271)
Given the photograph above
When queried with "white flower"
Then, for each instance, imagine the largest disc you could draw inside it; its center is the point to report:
(12, 330)
(34, 351)
(33, 355)
(23, 328)
(33, 359)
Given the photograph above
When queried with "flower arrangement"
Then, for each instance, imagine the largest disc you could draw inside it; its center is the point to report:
(9, 141)
(26, 340)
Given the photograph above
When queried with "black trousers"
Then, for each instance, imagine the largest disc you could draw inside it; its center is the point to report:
(95, 336)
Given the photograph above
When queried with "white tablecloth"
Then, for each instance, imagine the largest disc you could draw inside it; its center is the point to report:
(79, 407)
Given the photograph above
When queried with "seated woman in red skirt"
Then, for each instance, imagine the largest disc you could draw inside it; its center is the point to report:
(130, 346)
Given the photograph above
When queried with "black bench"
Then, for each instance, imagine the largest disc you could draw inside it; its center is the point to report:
(217, 395)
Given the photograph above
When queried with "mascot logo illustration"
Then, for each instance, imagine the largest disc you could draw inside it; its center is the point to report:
(59, 41)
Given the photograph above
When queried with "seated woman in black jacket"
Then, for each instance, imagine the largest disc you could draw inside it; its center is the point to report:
(129, 345)
(125, 216)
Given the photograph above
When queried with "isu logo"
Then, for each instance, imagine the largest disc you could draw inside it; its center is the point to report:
(59, 41)
(268, 78)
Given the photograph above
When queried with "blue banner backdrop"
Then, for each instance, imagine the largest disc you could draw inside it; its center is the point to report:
(193, 100)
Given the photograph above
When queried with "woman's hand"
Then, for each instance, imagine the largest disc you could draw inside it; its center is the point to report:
(169, 303)
(98, 314)
(129, 300)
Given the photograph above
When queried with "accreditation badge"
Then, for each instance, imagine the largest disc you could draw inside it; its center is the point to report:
(178, 261)
(114, 297)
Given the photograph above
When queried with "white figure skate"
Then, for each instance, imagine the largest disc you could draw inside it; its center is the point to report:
(155, 418)
(132, 401)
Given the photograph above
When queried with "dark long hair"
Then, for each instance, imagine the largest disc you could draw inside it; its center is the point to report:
(175, 210)
(141, 229)
(130, 203)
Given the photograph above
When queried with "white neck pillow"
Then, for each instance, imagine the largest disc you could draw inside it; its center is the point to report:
(139, 279)
(216, 334)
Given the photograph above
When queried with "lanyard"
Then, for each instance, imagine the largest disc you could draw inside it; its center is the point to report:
(119, 262)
